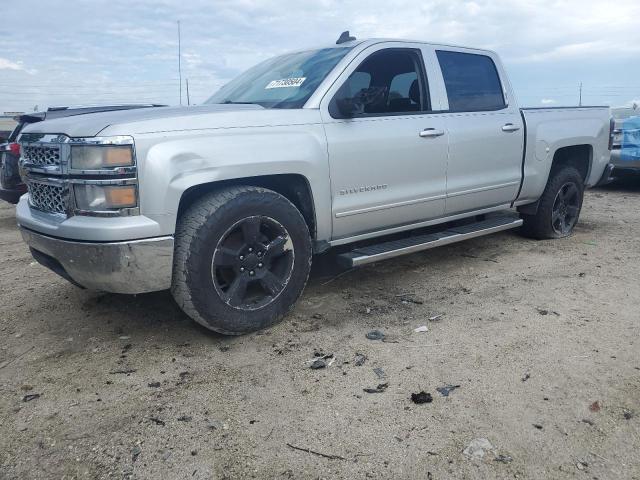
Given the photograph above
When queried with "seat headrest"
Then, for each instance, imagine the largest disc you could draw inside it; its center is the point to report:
(414, 92)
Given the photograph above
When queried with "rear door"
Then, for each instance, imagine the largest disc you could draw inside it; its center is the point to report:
(387, 163)
(486, 134)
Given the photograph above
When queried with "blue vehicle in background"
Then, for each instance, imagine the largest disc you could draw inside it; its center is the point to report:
(625, 152)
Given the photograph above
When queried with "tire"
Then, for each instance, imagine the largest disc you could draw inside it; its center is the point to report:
(220, 294)
(546, 223)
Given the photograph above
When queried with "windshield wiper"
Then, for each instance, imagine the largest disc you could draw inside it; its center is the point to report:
(230, 102)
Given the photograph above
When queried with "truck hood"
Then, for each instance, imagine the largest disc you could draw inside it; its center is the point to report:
(167, 119)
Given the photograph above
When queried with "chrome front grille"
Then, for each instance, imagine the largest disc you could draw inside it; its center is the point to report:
(41, 155)
(48, 198)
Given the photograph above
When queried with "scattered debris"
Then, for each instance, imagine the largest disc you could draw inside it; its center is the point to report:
(318, 364)
(185, 418)
(379, 372)
(308, 450)
(412, 300)
(421, 397)
(580, 465)
(595, 406)
(477, 448)
(135, 452)
(217, 425)
(543, 311)
(526, 377)
(447, 389)
(375, 335)
(31, 396)
(421, 329)
(435, 318)
(627, 415)
(154, 384)
(379, 389)
(157, 421)
(588, 422)
(126, 371)
(360, 359)
(503, 458)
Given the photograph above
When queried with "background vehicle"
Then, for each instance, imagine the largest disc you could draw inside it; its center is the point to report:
(11, 186)
(387, 146)
(625, 153)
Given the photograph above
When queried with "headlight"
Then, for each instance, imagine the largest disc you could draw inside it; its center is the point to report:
(105, 197)
(92, 157)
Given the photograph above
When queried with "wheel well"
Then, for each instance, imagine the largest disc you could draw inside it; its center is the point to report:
(577, 156)
(291, 186)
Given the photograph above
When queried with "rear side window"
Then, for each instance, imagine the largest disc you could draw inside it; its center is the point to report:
(472, 82)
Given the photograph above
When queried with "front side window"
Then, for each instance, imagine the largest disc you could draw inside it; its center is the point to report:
(472, 82)
(281, 82)
(388, 82)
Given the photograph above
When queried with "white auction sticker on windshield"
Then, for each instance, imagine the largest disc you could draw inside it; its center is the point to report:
(286, 83)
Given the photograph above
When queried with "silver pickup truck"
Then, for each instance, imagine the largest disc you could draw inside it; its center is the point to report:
(382, 147)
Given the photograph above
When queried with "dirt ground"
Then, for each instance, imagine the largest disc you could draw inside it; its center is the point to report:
(542, 338)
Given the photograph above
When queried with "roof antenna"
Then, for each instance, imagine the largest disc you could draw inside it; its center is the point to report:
(345, 37)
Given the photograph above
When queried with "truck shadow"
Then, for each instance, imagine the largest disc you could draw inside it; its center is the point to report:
(137, 316)
(630, 185)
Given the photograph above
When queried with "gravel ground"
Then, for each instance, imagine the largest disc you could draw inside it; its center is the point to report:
(541, 336)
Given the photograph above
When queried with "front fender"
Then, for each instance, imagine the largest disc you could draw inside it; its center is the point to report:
(178, 161)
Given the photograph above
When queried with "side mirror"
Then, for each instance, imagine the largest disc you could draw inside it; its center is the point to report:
(349, 107)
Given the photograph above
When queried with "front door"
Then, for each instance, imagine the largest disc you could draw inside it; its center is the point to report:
(387, 161)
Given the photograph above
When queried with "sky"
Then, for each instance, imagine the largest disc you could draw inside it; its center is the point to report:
(70, 52)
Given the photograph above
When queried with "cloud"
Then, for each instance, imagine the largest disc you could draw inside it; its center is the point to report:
(9, 65)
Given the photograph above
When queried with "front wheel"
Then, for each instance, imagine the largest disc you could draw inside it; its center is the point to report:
(559, 207)
(242, 259)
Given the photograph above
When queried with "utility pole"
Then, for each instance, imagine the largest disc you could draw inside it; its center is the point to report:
(180, 62)
(188, 101)
(580, 99)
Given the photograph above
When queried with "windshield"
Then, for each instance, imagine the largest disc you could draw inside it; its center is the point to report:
(281, 82)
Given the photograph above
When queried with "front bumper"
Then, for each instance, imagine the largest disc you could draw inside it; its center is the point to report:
(136, 266)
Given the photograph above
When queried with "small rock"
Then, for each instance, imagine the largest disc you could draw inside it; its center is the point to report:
(318, 364)
(379, 372)
(503, 459)
(477, 448)
(421, 397)
(595, 406)
(224, 348)
(360, 359)
(375, 335)
(157, 421)
(194, 453)
(185, 418)
(421, 329)
(32, 396)
(526, 377)
(627, 415)
(154, 384)
(538, 426)
(217, 425)
(135, 451)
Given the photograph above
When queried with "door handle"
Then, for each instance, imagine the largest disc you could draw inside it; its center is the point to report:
(431, 132)
(510, 127)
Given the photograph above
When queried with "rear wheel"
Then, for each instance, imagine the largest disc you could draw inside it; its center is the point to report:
(242, 259)
(559, 207)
